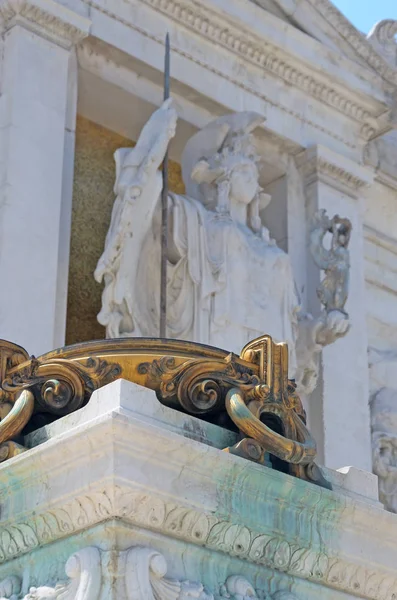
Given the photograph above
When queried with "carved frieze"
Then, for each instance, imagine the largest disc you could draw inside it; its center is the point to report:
(144, 575)
(145, 571)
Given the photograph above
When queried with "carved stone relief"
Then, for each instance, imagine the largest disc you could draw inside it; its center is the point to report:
(144, 577)
(83, 570)
(383, 366)
(150, 512)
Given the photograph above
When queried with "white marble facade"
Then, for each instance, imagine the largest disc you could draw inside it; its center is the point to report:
(325, 100)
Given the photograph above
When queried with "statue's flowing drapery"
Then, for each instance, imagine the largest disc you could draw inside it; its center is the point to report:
(226, 282)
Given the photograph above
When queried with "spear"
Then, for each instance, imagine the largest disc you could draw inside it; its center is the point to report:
(164, 207)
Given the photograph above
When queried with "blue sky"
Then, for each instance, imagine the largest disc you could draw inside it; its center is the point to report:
(365, 13)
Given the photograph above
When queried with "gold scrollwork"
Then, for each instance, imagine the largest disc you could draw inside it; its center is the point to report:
(253, 389)
(199, 386)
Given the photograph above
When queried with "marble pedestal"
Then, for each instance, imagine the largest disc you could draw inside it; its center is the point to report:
(136, 500)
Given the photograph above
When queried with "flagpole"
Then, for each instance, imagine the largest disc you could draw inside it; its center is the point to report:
(164, 208)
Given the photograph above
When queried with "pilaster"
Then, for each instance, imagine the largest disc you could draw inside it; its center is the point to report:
(339, 411)
(37, 39)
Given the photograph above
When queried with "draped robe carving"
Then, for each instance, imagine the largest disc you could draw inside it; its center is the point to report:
(228, 282)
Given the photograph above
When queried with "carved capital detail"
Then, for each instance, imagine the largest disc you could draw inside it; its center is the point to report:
(47, 18)
(321, 164)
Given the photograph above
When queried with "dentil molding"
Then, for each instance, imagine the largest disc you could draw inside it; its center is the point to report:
(255, 50)
(47, 18)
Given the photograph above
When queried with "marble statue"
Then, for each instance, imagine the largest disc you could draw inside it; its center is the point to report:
(228, 281)
(384, 445)
(334, 288)
(383, 366)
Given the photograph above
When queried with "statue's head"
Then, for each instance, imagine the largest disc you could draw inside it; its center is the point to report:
(219, 166)
(236, 163)
(341, 229)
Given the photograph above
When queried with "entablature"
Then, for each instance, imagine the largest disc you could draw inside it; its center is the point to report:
(259, 59)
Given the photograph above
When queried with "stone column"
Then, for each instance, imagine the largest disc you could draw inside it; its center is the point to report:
(37, 39)
(339, 409)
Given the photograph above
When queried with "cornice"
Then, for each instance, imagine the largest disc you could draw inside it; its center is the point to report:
(321, 164)
(386, 179)
(47, 18)
(252, 48)
(356, 39)
(176, 520)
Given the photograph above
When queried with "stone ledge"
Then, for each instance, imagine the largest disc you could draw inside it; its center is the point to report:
(124, 464)
(129, 398)
(128, 466)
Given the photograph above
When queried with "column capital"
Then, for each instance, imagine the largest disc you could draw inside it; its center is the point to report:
(46, 18)
(320, 164)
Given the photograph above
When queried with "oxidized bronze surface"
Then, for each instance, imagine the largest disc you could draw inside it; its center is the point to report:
(252, 388)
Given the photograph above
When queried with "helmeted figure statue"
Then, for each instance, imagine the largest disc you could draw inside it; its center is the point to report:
(228, 282)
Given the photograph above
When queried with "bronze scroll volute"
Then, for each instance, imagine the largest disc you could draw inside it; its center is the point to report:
(253, 389)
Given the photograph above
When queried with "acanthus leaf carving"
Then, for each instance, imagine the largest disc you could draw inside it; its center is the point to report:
(270, 550)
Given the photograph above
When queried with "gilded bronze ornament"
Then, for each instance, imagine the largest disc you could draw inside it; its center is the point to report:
(252, 389)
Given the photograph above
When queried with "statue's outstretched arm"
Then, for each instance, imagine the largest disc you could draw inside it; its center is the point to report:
(138, 185)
